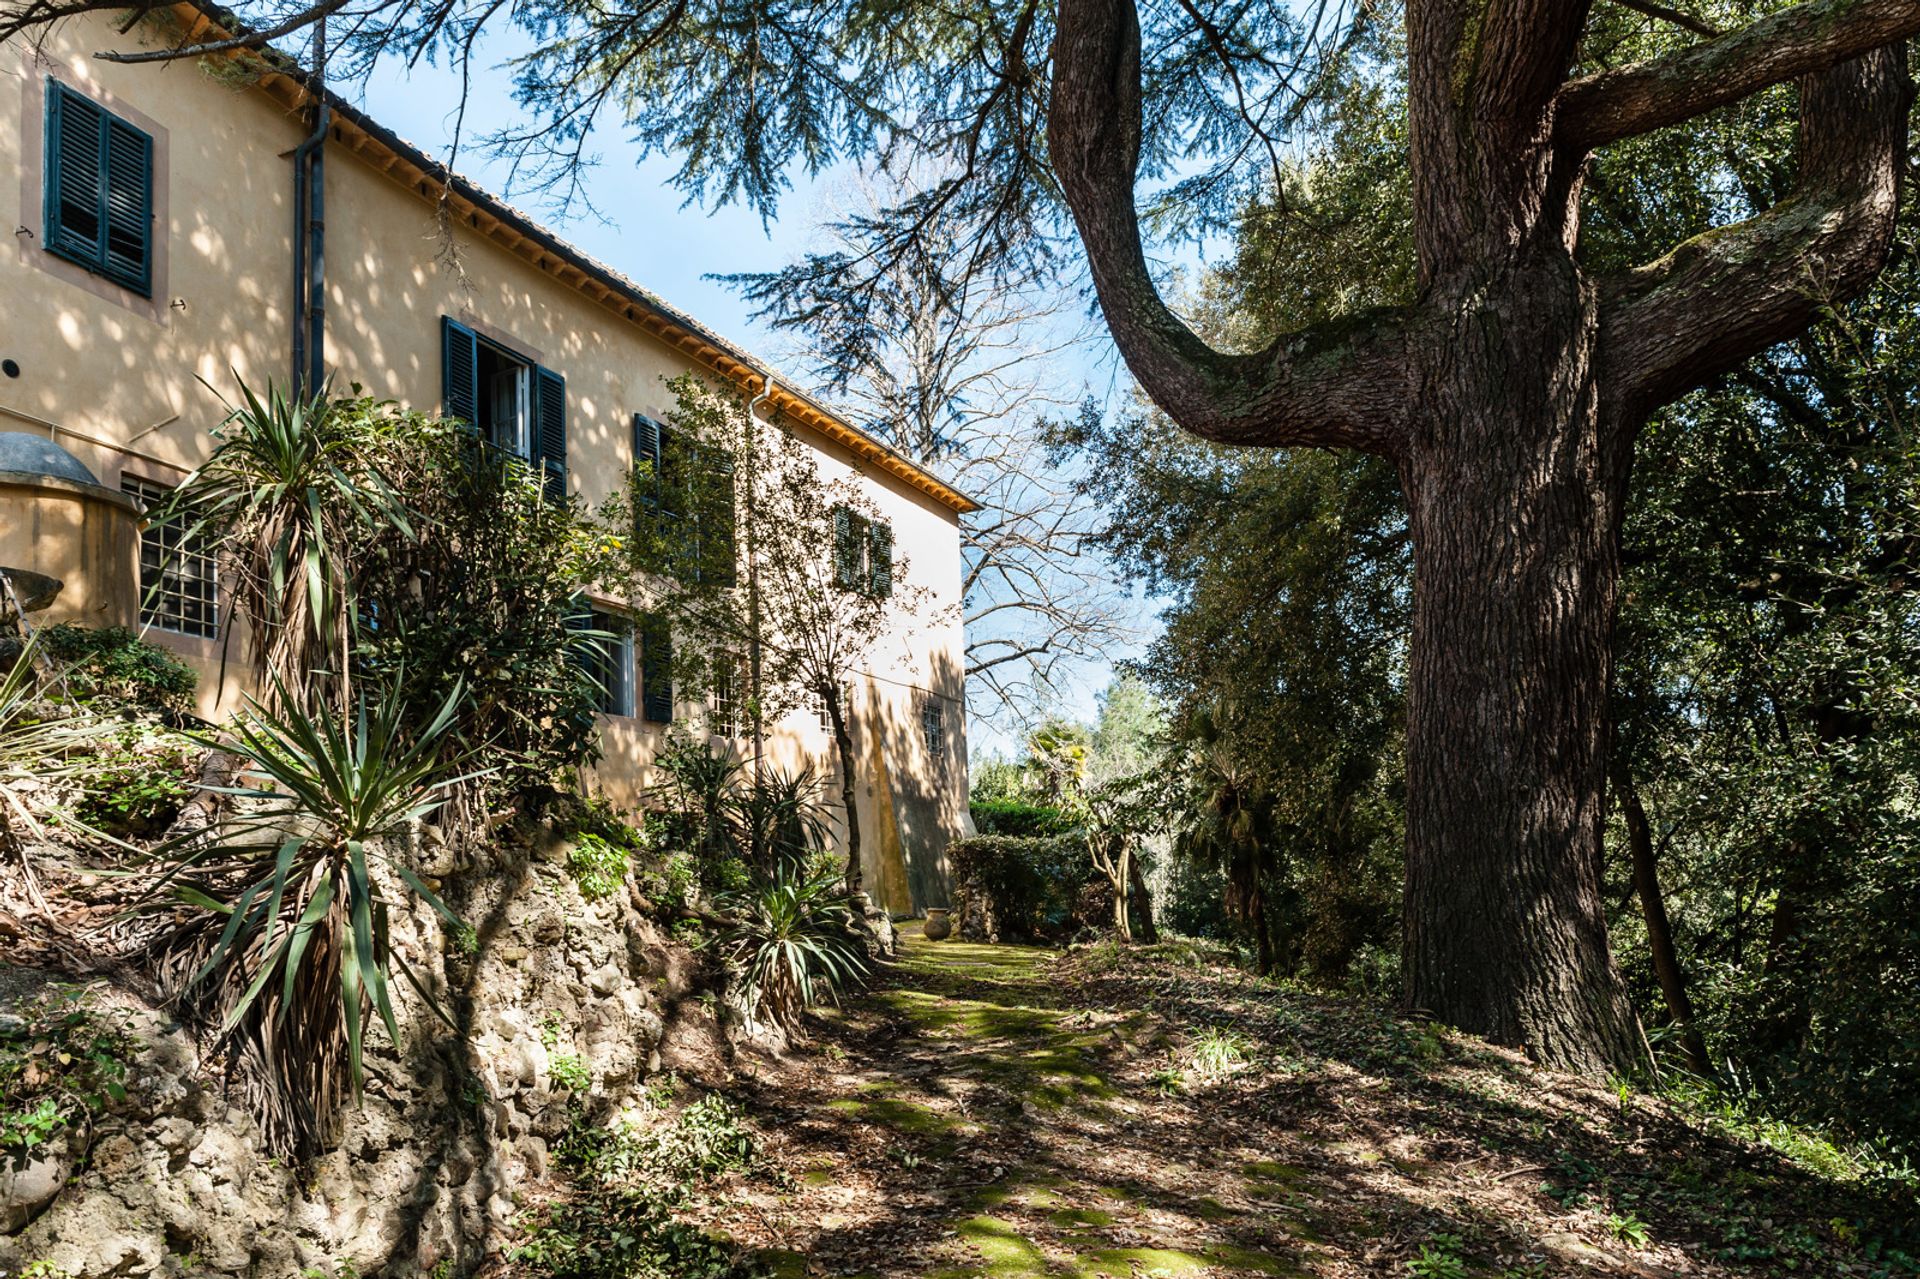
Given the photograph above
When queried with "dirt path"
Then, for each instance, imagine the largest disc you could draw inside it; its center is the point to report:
(999, 1112)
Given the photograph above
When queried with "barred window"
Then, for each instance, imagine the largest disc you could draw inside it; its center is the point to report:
(728, 712)
(177, 589)
(933, 726)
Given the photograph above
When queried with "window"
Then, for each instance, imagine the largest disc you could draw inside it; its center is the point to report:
(862, 553)
(99, 190)
(608, 658)
(933, 727)
(177, 589)
(656, 671)
(727, 709)
(846, 709)
(690, 502)
(511, 402)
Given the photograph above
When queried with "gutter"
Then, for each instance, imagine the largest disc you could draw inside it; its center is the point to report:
(310, 235)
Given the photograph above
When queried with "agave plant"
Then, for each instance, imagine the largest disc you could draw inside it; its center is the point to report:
(793, 944)
(773, 821)
(290, 945)
(699, 790)
(291, 487)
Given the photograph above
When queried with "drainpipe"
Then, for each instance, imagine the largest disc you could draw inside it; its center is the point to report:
(753, 587)
(310, 235)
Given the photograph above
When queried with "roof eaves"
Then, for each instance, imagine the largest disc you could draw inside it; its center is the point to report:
(785, 398)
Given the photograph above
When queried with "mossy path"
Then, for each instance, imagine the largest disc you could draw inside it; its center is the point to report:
(1000, 1112)
(965, 1120)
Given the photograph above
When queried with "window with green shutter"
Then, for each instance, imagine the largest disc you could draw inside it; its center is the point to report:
(509, 401)
(862, 553)
(99, 190)
(605, 650)
(656, 670)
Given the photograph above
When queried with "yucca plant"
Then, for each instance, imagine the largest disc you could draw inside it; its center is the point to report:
(699, 791)
(794, 943)
(293, 486)
(780, 820)
(289, 947)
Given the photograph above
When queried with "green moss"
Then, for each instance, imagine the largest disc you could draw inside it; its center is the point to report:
(780, 1263)
(1068, 1217)
(1269, 1170)
(902, 1116)
(1129, 1263)
(1008, 1254)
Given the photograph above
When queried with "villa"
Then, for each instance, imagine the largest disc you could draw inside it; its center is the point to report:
(183, 225)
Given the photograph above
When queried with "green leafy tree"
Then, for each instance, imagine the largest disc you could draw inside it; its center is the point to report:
(1508, 392)
(794, 608)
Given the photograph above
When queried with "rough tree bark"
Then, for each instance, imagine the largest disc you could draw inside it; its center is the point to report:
(1509, 397)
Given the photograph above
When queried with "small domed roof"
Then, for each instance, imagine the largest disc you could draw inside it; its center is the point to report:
(37, 455)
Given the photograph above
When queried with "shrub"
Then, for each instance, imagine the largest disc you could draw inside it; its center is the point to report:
(136, 785)
(1018, 886)
(618, 1221)
(63, 1059)
(114, 663)
(796, 941)
(1018, 817)
(598, 866)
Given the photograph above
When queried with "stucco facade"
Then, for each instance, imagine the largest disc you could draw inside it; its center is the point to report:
(116, 377)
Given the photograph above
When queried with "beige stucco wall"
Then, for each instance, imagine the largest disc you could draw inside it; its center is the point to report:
(116, 376)
(86, 537)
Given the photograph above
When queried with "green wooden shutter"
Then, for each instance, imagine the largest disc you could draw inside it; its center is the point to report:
(99, 190)
(656, 670)
(880, 559)
(550, 430)
(646, 448)
(127, 197)
(724, 552)
(459, 371)
(75, 223)
(846, 549)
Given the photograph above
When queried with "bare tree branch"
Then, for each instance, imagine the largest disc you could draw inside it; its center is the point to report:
(1636, 99)
(247, 40)
(1661, 12)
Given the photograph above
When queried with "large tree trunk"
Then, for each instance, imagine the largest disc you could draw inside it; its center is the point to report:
(1507, 394)
(1514, 491)
(1140, 903)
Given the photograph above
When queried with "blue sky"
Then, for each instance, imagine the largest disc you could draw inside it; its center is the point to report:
(641, 230)
(639, 225)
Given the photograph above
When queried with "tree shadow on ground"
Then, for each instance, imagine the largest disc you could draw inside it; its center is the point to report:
(1002, 1112)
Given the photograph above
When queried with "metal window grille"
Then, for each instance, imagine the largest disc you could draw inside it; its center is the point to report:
(178, 591)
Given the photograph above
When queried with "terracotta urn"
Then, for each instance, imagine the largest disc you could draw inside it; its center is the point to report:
(938, 928)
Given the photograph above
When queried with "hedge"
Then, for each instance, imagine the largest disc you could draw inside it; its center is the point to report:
(1018, 817)
(1017, 886)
